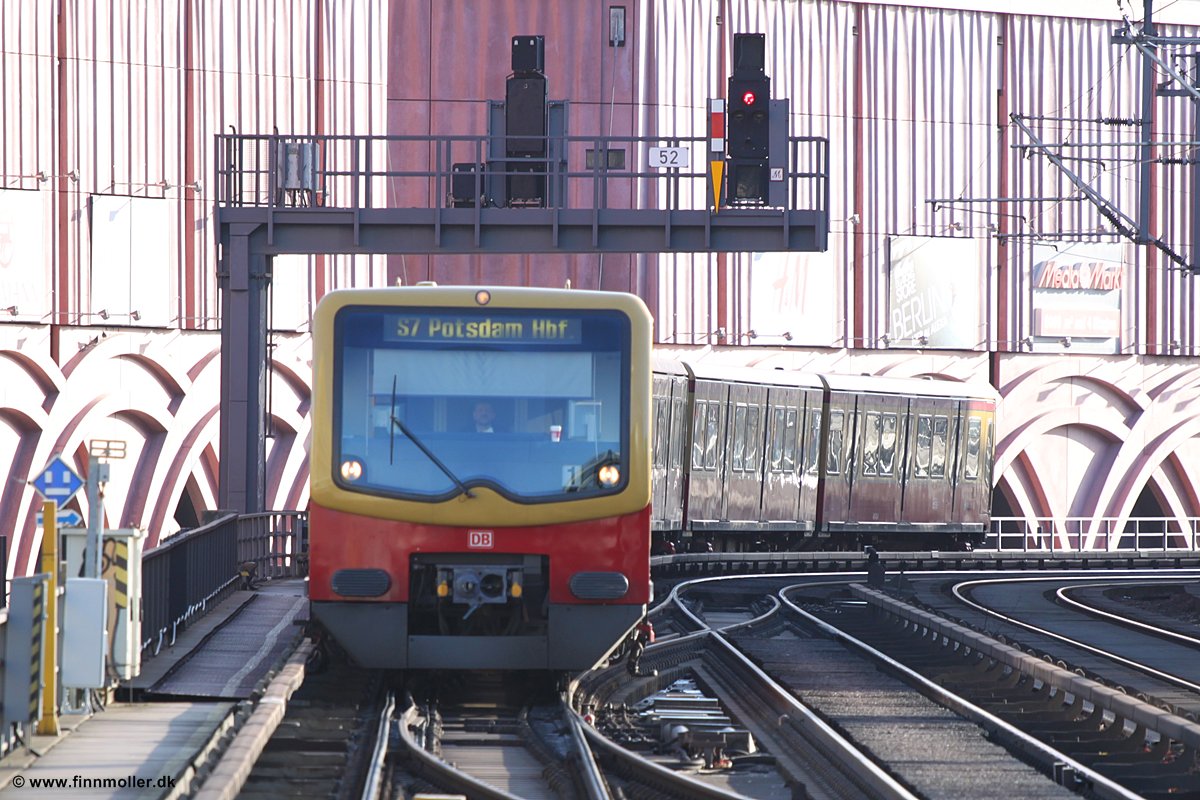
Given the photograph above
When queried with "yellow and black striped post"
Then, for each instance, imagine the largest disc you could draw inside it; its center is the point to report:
(121, 574)
(47, 670)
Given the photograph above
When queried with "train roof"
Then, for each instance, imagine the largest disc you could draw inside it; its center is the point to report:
(861, 384)
(456, 296)
(909, 387)
(766, 377)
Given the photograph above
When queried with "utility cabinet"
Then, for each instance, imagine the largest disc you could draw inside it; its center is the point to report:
(121, 568)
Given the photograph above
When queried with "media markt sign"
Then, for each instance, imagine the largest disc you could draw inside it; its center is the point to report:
(1077, 290)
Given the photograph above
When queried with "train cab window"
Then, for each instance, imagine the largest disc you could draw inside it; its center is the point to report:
(789, 441)
(753, 435)
(924, 445)
(699, 434)
(974, 437)
(431, 403)
(713, 433)
(775, 457)
(812, 443)
(887, 444)
(872, 429)
(676, 442)
(941, 435)
(739, 437)
(833, 462)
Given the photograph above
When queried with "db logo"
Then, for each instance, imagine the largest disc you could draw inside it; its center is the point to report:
(479, 540)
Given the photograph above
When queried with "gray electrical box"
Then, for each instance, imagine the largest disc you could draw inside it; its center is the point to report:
(85, 628)
(25, 632)
(121, 562)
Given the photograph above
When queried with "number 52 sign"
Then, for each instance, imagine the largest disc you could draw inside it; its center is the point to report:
(668, 157)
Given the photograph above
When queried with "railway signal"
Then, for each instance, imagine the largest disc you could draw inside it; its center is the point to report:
(749, 121)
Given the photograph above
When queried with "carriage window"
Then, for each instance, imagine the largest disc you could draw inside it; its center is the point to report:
(812, 443)
(777, 434)
(698, 433)
(887, 445)
(789, 442)
(833, 464)
(924, 443)
(714, 430)
(739, 437)
(989, 454)
(870, 455)
(971, 465)
(753, 435)
(941, 428)
(676, 443)
(660, 431)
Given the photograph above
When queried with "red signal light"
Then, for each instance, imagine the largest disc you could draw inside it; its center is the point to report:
(748, 98)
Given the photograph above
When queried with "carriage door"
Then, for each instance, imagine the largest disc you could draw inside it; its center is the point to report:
(781, 484)
(660, 455)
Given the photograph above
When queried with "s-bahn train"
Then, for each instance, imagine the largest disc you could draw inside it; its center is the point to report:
(480, 475)
(483, 463)
(747, 459)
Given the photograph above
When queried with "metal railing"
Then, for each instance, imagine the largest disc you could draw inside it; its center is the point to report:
(276, 542)
(183, 575)
(189, 573)
(1092, 534)
(357, 172)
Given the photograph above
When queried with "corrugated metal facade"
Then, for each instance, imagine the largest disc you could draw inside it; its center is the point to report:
(106, 157)
(106, 153)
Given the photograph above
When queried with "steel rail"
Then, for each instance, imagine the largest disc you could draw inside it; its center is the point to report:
(374, 783)
(1106, 787)
(654, 775)
(1147, 670)
(594, 785)
(442, 774)
(845, 754)
(1063, 594)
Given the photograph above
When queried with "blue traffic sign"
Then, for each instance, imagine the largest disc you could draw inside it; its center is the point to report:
(57, 481)
(66, 519)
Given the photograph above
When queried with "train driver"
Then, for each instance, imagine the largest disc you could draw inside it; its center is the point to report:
(484, 415)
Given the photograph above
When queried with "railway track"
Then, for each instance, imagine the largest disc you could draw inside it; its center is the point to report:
(1111, 742)
(751, 649)
(325, 744)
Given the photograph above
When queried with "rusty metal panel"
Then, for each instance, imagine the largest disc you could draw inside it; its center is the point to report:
(428, 92)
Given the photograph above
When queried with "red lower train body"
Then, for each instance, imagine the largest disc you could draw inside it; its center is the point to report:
(374, 585)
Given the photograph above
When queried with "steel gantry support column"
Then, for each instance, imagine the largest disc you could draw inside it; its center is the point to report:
(243, 279)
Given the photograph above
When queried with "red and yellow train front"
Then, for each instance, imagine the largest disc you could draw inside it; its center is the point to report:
(480, 475)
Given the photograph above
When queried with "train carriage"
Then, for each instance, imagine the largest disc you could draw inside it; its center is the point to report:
(480, 475)
(784, 459)
(906, 458)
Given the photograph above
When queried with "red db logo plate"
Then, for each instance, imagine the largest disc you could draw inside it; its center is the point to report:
(479, 540)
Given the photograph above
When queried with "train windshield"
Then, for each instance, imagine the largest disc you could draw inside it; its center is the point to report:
(431, 403)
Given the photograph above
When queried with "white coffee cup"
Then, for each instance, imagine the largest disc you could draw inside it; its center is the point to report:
(556, 433)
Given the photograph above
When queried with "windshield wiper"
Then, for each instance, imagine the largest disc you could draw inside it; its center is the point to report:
(396, 423)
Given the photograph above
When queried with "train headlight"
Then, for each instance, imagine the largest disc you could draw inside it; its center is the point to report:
(483, 297)
(352, 469)
(609, 475)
